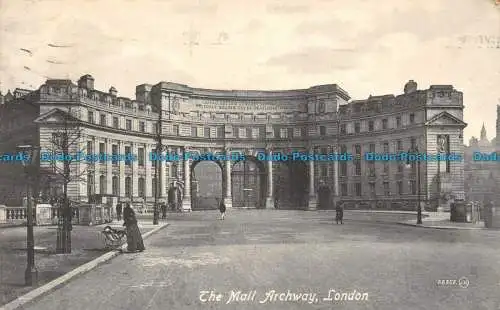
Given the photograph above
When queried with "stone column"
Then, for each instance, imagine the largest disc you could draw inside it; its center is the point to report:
(122, 170)
(149, 172)
(109, 168)
(228, 196)
(270, 189)
(97, 169)
(313, 199)
(135, 173)
(186, 201)
(163, 177)
(336, 176)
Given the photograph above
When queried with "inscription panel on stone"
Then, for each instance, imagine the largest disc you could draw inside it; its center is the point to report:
(264, 106)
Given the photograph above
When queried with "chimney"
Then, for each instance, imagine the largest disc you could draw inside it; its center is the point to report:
(410, 87)
(112, 91)
(86, 81)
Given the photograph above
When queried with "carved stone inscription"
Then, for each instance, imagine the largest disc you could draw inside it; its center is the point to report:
(241, 106)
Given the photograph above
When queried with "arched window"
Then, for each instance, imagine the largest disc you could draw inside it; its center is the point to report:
(90, 185)
(142, 187)
(102, 184)
(116, 186)
(128, 187)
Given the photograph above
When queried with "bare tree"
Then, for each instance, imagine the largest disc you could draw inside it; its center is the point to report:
(66, 147)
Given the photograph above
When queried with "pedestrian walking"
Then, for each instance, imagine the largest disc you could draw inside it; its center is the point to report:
(222, 209)
(119, 211)
(163, 210)
(339, 213)
(134, 238)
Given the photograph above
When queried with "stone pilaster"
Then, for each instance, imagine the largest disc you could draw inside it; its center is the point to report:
(121, 181)
(186, 200)
(135, 173)
(228, 196)
(97, 172)
(270, 194)
(163, 178)
(109, 168)
(313, 199)
(149, 172)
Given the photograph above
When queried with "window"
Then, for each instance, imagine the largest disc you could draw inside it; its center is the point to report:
(357, 127)
(357, 167)
(249, 132)
(343, 129)
(371, 168)
(142, 127)
(385, 124)
(343, 149)
(373, 190)
(303, 132)
(115, 122)
(90, 117)
(372, 147)
(399, 145)
(357, 150)
(400, 188)
(90, 184)
(400, 168)
(102, 151)
(324, 150)
(103, 120)
(321, 106)
(128, 187)
(155, 128)
(387, 190)
(128, 124)
(386, 147)
(141, 187)
(206, 132)
(412, 118)
(175, 129)
(357, 189)
(413, 143)
(127, 151)
(370, 126)
(116, 186)
(102, 184)
(290, 133)
(90, 147)
(343, 168)
(276, 132)
(413, 187)
(114, 154)
(174, 170)
(322, 130)
(398, 121)
(343, 189)
(140, 156)
(324, 171)
(386, 168)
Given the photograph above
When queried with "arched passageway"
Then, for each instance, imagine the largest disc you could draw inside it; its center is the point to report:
(248, 178)
(206, 185)
(324, 198)
(291, 185)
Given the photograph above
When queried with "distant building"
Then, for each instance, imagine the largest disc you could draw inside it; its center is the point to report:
(481, 176)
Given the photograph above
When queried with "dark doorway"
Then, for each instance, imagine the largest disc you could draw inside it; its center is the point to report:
(290, 185)
(206, 185)
(324, 198)
(248, 181)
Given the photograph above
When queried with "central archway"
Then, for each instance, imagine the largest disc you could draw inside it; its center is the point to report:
(206, 185)
(248, 179)
(290, 185)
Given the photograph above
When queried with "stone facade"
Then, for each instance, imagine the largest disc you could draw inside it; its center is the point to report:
(317, 120)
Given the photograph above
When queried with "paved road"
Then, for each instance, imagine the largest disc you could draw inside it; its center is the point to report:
(270, 252)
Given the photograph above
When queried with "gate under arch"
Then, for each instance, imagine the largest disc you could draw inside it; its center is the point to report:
(248, 178)
(291, 185)
(206, 185)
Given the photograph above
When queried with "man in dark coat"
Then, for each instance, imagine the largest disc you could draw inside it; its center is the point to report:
(119, 211)
(134, 237)
(222, 209)
(339, 213)
(163, 210)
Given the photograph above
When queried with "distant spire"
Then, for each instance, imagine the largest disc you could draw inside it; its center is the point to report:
(483, 133)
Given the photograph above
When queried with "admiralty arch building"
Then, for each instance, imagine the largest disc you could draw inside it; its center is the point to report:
(267, 149)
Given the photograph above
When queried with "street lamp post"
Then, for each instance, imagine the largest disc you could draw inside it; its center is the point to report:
(414, 150)
(30, 163)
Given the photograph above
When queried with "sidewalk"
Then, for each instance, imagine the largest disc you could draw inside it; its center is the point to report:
(441, 220)
(86, 246)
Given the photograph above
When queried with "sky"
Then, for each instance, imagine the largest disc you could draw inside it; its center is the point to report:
(366, 47)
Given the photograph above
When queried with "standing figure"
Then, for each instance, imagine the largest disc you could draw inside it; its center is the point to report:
(222, 209)
(163, 210)
(119, 208)
(339, 213)
(134, 238)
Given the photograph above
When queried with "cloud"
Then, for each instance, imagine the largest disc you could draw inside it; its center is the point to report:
(195, 8)
(316, 60)
(287, 8)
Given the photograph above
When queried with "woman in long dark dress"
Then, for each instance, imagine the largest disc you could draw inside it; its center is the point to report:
(134, 237)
